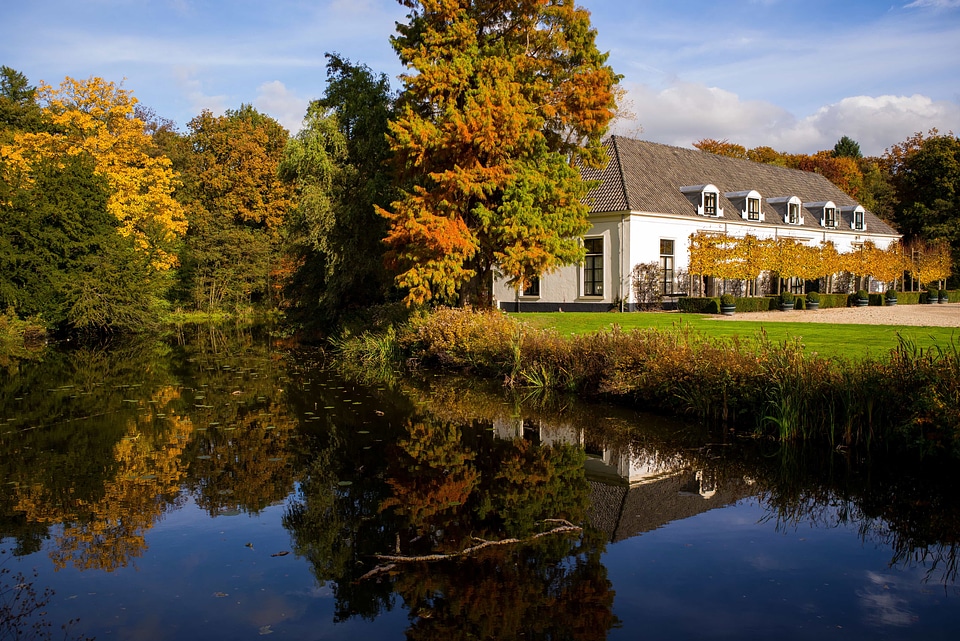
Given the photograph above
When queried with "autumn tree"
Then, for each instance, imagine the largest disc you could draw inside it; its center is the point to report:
(926, 173)
(499, 99)
(96, 118)
(338, 166)
(721, 148)
(236, 206)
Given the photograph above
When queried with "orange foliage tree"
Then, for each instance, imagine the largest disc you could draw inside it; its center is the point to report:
(499, 98)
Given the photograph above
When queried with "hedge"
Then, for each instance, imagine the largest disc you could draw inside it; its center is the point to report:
(711, 305)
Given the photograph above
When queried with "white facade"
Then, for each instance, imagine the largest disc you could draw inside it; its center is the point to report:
(632, 235)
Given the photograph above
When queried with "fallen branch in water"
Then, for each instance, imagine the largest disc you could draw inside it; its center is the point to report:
(565, 526)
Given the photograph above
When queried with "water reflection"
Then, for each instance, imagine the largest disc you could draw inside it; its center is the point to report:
(466, 483)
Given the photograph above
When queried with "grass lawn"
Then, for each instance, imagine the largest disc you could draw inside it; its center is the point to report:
(852, 341)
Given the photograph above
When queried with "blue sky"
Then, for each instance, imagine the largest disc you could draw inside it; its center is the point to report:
(792, 74)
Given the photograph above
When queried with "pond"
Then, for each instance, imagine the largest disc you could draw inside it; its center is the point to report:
(218, 486)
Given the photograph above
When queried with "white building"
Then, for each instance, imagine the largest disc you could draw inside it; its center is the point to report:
(652, 198)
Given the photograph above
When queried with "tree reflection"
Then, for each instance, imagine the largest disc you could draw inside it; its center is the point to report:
(443, 487)
(100, 442)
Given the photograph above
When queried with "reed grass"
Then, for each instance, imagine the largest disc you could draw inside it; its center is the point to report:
(776, 389)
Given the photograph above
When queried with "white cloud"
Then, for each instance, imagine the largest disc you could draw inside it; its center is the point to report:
(936, 4)
(192, 90)
(684, 112)
(275, 100)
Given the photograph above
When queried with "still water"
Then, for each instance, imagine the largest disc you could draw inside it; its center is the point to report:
(218, 486)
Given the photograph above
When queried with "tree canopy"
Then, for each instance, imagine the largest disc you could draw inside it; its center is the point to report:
(338, 164)
(499, 99)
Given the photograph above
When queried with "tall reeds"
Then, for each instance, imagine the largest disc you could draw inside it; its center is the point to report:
(772, 389)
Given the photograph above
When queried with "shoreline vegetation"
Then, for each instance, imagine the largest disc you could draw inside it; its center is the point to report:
(908, 398)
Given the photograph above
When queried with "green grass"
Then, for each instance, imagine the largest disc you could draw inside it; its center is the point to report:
(851, 341)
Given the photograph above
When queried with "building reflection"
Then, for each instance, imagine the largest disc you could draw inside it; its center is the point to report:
(634, 489)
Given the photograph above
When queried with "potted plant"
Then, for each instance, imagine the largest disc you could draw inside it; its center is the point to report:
(891, 296)
(787, 301)
(943, 296)
(728, 304)
(932, 295)
(863, 298)
(813, 300)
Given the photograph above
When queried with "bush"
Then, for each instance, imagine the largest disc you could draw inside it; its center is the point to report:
(787, 298)
(834, 300)
(757, 304)
(892, 294)
(813, 297)
(698, 305)
(728, 300)
(943, 294)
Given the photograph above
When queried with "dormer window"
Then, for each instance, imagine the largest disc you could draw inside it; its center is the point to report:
(830, 217)
(828, 211)
(748, 203)
(709, 203)
(706, 198)
(790, 207)
(856, 215)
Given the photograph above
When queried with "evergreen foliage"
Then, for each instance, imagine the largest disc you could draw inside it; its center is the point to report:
(338, 166)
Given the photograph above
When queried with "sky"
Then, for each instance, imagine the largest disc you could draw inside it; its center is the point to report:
(795, 75)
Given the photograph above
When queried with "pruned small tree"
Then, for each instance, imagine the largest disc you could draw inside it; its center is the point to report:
(646, 279)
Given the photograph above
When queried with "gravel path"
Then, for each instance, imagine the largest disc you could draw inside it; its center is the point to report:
(918, 315)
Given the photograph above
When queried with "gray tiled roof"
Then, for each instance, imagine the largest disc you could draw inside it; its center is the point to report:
(646, 177)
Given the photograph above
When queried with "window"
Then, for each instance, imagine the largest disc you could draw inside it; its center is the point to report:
(533, 289)
(753, 209)
(705, 198)
(793, 213)
(593, 267)
(666, 265)
(709, 203)
(829, 217)
(858, 220)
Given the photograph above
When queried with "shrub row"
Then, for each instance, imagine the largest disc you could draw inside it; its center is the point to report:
(911, 397)
(711, 304)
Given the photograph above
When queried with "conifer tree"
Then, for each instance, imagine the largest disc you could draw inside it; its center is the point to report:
(500, 101)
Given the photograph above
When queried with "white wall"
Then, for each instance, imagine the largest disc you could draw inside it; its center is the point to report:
(641, 244)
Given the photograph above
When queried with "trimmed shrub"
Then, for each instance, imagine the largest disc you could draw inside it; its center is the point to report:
(834, 300)
(757, 304)
(698, 305)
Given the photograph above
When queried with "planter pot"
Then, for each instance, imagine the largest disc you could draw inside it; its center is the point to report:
(931, 300)
(813, 304)
(891, 301)
(863, 302)
(787, 307)
(944, 300)
(728, 310)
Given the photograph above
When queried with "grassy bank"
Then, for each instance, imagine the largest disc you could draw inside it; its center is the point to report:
(908, 396)
(849, 341)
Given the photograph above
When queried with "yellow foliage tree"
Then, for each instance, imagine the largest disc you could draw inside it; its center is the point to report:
(885, 265)
(931, 263)
(96, 117)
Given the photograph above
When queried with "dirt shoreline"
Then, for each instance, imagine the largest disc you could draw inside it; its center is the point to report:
(947, 315)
